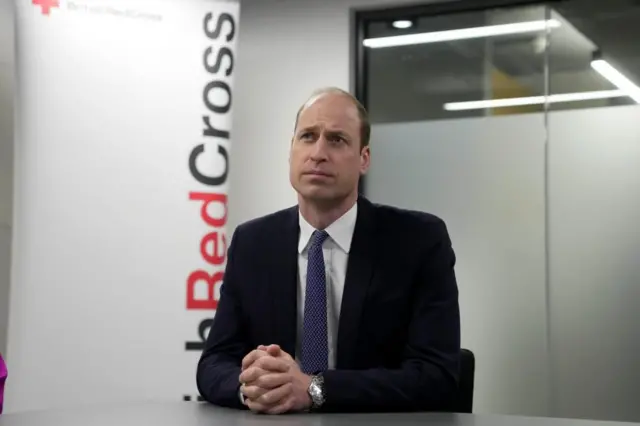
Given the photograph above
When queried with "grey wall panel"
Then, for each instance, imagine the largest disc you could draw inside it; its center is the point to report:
(485, 178)
(595, 262)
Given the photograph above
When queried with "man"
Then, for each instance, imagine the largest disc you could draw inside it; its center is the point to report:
(336, 304)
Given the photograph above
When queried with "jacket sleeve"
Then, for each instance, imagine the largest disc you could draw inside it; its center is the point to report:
(428, 376)
(220, 364)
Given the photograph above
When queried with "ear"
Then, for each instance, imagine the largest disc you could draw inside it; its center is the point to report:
(365, 159)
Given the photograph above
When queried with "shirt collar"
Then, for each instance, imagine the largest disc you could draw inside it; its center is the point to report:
(340, 231)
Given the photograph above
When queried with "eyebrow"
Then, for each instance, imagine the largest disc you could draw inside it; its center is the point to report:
(307, 129)
(339, 133)
(330, 131)
(336, 132)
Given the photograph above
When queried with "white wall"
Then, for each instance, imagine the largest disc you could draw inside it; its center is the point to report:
(485, 178)
(287, 49)
(105, 236)
(5, 278)
(6, 161)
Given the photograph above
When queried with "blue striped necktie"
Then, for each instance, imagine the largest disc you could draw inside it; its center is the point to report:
(315, 346)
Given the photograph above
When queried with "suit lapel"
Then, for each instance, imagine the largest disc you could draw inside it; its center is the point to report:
(358, 279)
(283, 279)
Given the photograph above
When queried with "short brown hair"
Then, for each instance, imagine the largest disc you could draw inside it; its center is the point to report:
(363, 115)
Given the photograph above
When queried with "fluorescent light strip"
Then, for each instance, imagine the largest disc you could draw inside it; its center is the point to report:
(534, 100)
(617, 78)
(461, 34)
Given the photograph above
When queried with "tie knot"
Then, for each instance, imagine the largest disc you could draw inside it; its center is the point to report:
(318, 238)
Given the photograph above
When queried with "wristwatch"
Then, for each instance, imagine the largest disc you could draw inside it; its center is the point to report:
(316, 391)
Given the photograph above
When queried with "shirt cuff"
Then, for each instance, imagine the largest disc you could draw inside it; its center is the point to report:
(241, 395)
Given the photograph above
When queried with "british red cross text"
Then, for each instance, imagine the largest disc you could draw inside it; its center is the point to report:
(213, 244)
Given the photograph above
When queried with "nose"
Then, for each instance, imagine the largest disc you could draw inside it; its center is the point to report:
(319, 150)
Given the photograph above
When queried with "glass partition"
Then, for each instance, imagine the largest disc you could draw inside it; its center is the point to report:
(517, 126)
(594, 210)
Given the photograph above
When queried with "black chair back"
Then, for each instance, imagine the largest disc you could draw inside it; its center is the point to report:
(467, 379)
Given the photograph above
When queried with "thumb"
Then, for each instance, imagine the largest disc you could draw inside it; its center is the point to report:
(274, 350)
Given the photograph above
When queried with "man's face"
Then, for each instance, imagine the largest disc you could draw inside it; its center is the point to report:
(326, 160)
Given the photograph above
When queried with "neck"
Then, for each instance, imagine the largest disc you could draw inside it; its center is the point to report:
(321, 215)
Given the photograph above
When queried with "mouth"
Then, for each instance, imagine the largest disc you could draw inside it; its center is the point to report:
(317, 173)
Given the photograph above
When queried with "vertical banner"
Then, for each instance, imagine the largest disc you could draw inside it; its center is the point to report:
(123, 137)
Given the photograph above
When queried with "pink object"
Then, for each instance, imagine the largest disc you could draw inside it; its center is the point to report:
(3, 378)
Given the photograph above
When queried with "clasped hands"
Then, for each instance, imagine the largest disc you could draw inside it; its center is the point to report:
(272, 382)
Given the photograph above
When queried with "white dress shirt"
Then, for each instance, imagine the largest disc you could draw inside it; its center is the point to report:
(336, 254)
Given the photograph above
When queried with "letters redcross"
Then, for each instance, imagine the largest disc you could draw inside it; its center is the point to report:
(46, 5)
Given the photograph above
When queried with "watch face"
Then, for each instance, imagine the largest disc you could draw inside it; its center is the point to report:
(315, 391)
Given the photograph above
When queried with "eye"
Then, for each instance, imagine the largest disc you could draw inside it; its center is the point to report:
(337, 139)
(306, 136)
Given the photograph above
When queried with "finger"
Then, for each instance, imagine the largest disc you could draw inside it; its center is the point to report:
(252, 374)
(253, 393)
(283, 407)
(268, 347)
(276, 396)
(272, 380)
(274, 350)
(252, 357)
(271, 364)
(256, 407)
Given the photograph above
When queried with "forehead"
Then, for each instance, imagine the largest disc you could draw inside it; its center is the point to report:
(331, 110)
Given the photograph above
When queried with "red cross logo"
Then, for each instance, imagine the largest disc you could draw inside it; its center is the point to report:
(46, 5)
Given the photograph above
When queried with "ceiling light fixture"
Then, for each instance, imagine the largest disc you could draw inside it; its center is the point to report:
(402, 24)
(461, 34)
(616, 78)
(534, 100)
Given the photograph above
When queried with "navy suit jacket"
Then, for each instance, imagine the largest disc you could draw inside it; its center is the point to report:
(398, 343)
